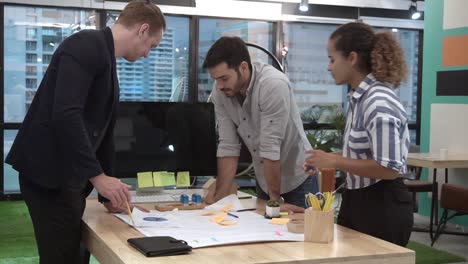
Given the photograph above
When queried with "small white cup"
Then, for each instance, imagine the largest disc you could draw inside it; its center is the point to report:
(443, 153)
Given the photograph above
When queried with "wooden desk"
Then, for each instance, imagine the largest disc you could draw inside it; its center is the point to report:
(106, 236)
(433, 160)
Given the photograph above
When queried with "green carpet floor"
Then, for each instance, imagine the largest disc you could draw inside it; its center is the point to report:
(17, 245)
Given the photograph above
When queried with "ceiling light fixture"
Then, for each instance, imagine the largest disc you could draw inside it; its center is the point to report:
(304, 5)
(415, 14)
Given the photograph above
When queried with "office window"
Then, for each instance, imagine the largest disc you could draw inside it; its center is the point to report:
(46, 58)
(48, 47)
(30, 35)
(31, 58)
(306, 61)
(164, 75)
(10, 176)
(31, 83)
(31, 70)
(31, 18)
(408, 91)
(412, 133)
(31, 45)
(260, 33)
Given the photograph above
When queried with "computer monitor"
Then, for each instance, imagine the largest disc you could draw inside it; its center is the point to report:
(158, 136)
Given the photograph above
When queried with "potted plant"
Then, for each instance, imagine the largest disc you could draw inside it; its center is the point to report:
(272, 208)
(326, 128)
(328, 139)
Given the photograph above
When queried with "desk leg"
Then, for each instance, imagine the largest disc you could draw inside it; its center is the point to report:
(84, 254)
(433, 203)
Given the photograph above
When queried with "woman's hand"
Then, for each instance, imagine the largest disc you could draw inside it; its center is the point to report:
(291, 208)
(319, 159)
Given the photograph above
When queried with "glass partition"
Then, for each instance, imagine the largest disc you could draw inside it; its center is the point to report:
(164, 75)
(260, 33)
(31, 35)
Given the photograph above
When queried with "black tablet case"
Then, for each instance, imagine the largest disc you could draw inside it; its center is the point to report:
(160, 246)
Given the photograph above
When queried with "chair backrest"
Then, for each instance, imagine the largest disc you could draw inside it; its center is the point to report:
(454, 197)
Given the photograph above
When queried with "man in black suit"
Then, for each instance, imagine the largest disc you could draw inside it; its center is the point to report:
(65, 144)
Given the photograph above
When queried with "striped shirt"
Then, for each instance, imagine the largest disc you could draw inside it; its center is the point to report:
(376, 128)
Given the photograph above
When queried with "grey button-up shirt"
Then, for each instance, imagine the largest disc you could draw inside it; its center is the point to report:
(268, 122)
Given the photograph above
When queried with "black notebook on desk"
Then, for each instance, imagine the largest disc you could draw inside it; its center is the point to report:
(160, 246)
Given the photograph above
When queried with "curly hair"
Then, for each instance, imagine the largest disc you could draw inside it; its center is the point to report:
(388, 60)
(378, 53)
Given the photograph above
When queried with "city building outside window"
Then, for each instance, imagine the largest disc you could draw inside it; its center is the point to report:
(306, 61)
(31, 35)
(10, 176)
(260, 33)
(33, 51)
(164, 75)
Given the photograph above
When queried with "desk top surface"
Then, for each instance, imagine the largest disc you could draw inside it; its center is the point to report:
(106, 238)
(433, 160)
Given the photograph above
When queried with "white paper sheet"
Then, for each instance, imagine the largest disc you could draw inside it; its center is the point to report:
(230, 199)
(199, 231)
(152, 219)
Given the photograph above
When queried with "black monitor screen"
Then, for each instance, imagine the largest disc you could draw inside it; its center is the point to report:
(159, 136)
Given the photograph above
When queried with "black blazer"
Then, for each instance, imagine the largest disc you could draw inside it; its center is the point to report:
(66, 136)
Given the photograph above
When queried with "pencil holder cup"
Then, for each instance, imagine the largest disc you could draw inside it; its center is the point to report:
(319, 226)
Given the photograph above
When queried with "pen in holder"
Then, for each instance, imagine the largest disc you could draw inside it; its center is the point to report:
(319, 225)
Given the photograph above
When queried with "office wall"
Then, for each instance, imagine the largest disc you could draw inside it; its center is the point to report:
(444, 107)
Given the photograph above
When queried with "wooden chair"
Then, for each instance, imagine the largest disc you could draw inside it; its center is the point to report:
(415, 185)
(452, 198)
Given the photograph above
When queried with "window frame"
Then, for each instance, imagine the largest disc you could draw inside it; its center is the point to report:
(194, 35)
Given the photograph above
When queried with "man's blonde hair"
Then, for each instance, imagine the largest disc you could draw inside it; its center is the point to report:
(140, 12)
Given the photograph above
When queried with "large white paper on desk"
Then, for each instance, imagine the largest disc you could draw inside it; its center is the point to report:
(199, 231)
(230, 199)
(154, 219)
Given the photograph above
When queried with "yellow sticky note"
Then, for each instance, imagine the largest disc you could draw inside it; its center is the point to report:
(219, 217)
(183, 178)
(227, 208)
(279, 221)
(227, 223)
(145, 179)
(284, 214)
(169, 179)
(158, 178)
(208, 213)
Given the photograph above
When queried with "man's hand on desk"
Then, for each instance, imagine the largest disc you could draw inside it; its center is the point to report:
(213, 197)
(291, 208)
(122, 209)
(111, 188)
(209, 198)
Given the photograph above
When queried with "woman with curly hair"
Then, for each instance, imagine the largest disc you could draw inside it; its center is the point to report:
(376, 141)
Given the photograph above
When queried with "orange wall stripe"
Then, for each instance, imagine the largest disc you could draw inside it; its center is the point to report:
(455, 51)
